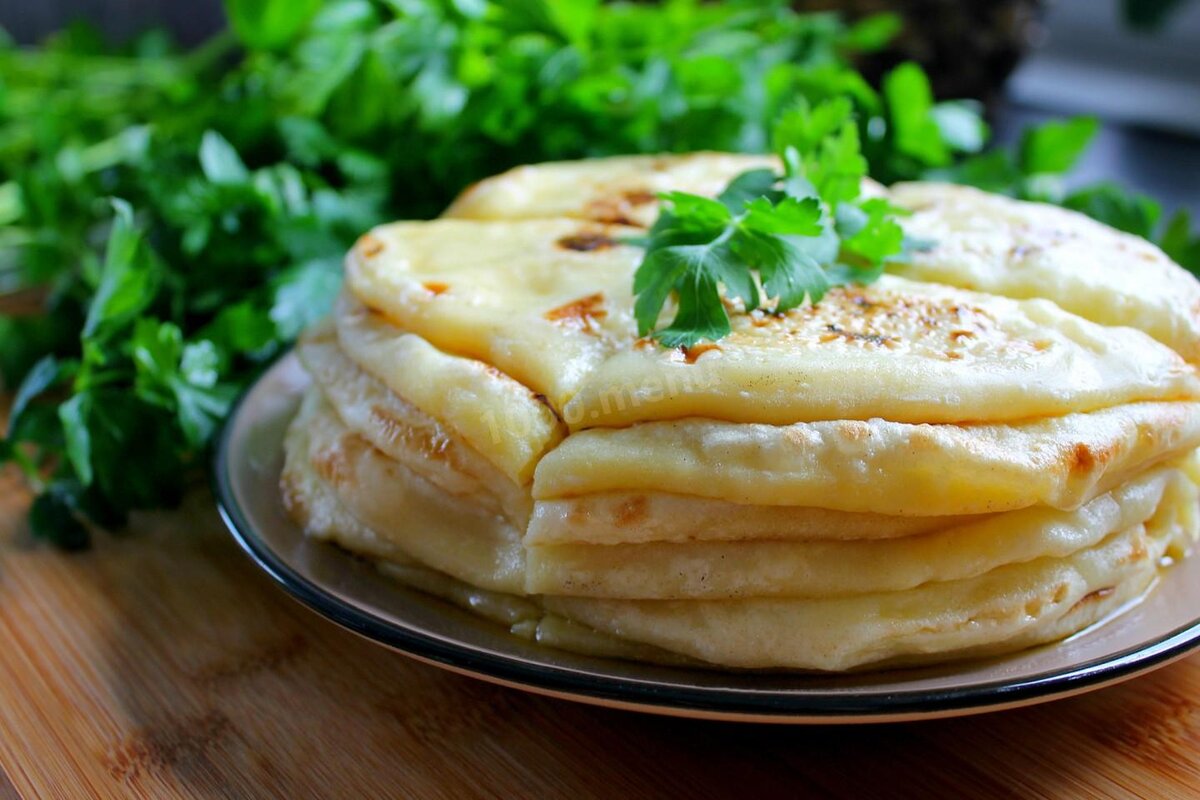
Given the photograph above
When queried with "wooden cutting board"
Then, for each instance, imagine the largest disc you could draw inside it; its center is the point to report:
(162, 664)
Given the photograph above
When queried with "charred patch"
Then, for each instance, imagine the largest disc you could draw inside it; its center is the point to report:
(639, 197)
(691, 354)
(834, 332)
(611, 211)
(1084, 458)
(586, 242)
(579, 314)
(436, 288)
(630, 512)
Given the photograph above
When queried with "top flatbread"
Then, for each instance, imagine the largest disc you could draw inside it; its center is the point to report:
(548, 302)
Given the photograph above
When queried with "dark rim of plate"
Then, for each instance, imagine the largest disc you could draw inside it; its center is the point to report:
(765, 703)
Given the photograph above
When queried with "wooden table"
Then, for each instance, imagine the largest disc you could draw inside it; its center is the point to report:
(162, 664)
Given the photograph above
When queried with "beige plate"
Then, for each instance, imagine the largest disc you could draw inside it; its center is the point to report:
(350, 592)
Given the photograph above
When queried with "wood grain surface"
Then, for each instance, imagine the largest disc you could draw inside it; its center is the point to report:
(162, 664)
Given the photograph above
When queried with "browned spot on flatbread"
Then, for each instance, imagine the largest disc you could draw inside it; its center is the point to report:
(1084, 458)
(331, 464)
(834, 332)
(369, 245)
(432, 444)
(611, 211)
(579, 314)
(1137, 552)
(436, 288)
(630, 512)
(690, 354)
(579, 513)
(586, 241)
(639, 197)
(161, 748)
(1093, 597)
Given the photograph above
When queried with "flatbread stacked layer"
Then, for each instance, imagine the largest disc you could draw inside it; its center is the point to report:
(989, 448)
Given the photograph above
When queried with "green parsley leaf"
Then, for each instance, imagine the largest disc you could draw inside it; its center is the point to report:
(821, 145)
(78, 436)
(52, 518)
(870, 235)
(700, 316)
(760, 243)
(269, 24)
(1055, 146)
(914, 129)
(43, 375)
(220, 162)
(303, 295)
(961, 125)
(127, 280)
(693, 213)
(840, 168)
(788, 216)
(748, 186)
(873, 32)
(180, 378)
(788, 271)
(1179, 243)
(691, 271)
(1118, 207)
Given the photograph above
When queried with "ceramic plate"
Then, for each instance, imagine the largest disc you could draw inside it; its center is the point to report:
(350, 592)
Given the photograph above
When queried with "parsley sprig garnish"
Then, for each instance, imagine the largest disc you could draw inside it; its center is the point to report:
(769, 240)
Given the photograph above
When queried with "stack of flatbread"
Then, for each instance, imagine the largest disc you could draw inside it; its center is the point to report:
(991, 447)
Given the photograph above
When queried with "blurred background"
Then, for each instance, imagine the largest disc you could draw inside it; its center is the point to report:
(1135, 64)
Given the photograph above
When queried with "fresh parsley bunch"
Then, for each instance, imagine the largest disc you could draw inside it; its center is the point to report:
(180, 217)
(769, 238)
